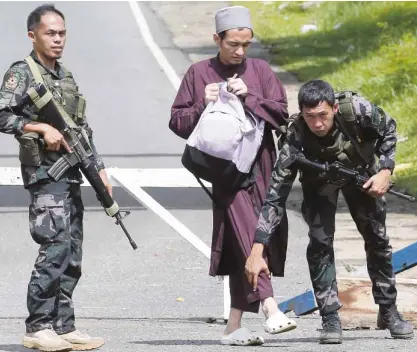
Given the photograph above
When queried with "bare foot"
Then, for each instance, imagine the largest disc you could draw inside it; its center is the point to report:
(269, 307)
(234, 321)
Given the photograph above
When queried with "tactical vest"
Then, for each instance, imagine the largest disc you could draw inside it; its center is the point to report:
(65, 90)
(71, 103)
(348, 143)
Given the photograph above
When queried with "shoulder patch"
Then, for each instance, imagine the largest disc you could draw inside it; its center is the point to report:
(12, 80)
(14, 77)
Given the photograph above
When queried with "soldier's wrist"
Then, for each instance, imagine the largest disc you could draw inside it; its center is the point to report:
(44, 128)
(40, 128)
(386, 171)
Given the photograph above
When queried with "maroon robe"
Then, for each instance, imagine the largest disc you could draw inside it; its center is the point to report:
(234, 224)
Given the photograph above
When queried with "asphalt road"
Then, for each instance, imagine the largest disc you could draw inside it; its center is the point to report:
(159, 297)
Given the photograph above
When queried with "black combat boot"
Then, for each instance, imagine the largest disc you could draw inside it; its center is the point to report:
(332, 329)
(389, 318)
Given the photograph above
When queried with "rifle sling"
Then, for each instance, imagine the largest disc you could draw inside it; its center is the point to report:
(354, 142)
(38, 79)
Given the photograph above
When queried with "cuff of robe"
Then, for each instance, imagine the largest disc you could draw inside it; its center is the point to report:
(262, 237)
(199, 107)
(253, 102)
(251, 99)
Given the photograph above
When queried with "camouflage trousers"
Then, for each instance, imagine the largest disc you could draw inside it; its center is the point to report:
(56, 224)
(368, 213)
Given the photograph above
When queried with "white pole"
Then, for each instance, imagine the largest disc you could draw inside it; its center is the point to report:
(226, 298)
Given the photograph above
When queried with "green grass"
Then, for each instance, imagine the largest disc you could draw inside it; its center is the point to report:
(373, 51)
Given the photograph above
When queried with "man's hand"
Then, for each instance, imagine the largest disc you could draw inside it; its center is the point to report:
(378, 184)
(255, 264)
(54, 139)
(211, 93)
(105, 179)
(237, 86)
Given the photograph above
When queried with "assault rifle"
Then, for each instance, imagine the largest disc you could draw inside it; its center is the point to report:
(339, 173)
(81, 150)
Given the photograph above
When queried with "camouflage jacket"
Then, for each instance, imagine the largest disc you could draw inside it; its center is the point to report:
(17, 80)
(382, 129)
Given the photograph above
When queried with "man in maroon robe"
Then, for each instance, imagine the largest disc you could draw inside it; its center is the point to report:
(235, 215)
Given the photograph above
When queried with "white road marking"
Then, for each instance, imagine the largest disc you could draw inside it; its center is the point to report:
(130, 183)
(11, 176)
(153, 47)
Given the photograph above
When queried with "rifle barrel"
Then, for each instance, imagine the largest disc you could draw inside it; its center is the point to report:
(346, 172)
(120, 222)
(402, 195)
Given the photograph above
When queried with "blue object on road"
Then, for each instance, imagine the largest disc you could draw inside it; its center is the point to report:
(301, 305)
(405, 258)
(305, 303)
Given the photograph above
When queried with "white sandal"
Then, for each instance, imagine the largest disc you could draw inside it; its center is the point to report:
(242, 337)
(278, 323)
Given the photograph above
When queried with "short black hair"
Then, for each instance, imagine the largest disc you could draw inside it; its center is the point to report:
(315, 91)
(35, 16)
(222, 35)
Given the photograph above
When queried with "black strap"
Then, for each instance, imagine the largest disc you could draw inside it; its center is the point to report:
(351, 139)
(205, 189)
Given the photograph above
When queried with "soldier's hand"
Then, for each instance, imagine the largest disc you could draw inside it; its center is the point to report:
(54, 139)
(105, 179)
(255, 265)
(378, 184)
(237, 86)
(211, 93)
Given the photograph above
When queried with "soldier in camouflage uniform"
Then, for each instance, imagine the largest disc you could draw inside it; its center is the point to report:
(317, 134)
(56, 209)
